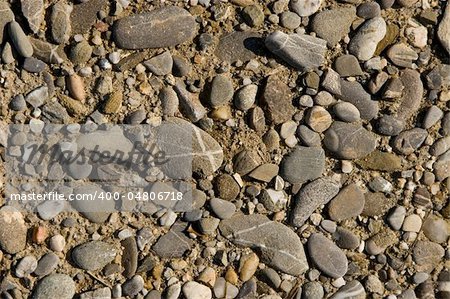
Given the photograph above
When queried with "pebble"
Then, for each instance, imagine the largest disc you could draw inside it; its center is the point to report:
(81, 53)
(13, 231)
(253, 15)
(159, 28)
(7, 53)
(226, 186)
(173, 292)
(239, 46)
(6, 16)
(57, 243)
(129, 256)
(312, 290)
(224, 289)
(161, 64)
(265, 172)
(305, 8)
(47, 52)
(181, 67)
(349, 141)
(18, 103)
(312, 196)
(436, 229)
(427, 255)
(195, 290)
(407, 142)
(374, 285)
(402, 55)
(380, 241)
(443, 32)
(93, 255)
(347, 204)
(346, 112)
(46, 264)
(60, 22)
(347, 66)
(304, 52)
(248, 264)
(334, 24)
(412, 223)
(433, 115)
(169, 101)
(222, 208)
(55, 285)
(279, 247)
(329, 258)
(20, 41)
(318, 119)
(174, 243)
(308, 136)
(364, 43)
(245, 97)
(76, 87)
(221, 91)
(417, 34)
(33, 65)
(369, 10)
(189, 103)
(26, 266)
(278, 100)
(33, 11)
(377, 204)
(290, 20)
(396, 217)
(346, 239)
(303, 164)
(353, 289)
(133, 286)
(412, 94)
(271, 277)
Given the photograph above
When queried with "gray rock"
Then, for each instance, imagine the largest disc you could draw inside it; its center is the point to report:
(222, 208)
(37, 97)
(277, 98)
(377, 204)
(434, 114)
(440, 146)
(354, 93)
(290, 20)
(13, 231)
(181, 67)
(174, 243)
(133, 286)
(221, 91)
(271, 277)
(50, 209)
(348, 65)
(129, 256)
(347, 204)
(427, 254)
(60, 25)
(265, 172)
(396, 217)
(312, 290)
(225, 185)
(253, 15)
(369, 10)
(47, 264)
(364, 43)
(445, 124)
(20, 41)
(7, 53)
(189, 103)
(55, 286)
(436, 229)
(48, 52)
(169, 101)
(81, 53)
(402, 55)
(303, 164)
(412, 94)
(334, 24)
(245, 97)
(312, 196)
(33, 11)
(93, 255)
(308, 136)
(305, 8)
(224, 289)
(278, 245)
(443, 32)
(353, 289)
(159, 28)
(85, 14)
(208, 225)
(346, 112)
(239, 45)
(301, 51)
(6, 16)
(409, 141)
(26, 266)
(346, 239)
(18, 103)
(33, 65)
(349, 141)
(161, 64)
(390, 125)
(96, 210)
(329, 258)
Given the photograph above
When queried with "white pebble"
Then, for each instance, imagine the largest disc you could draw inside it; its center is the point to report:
(57, 243)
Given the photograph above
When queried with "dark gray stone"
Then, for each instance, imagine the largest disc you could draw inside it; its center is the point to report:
(303, 164)
(174, 243)
(239, 45)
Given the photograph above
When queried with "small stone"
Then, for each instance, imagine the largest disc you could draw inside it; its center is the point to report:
(301, 51)
(13, 231)
(443, 32)
(174, 243)
(353, 289)
(224, 289)
(114, 103)
(348, 65)
(133, 286)
(221, 91)
(374, 285)
(347, 204)
(189, 103)
(303, 164)
(417, 34)
(334, 24)
(253, 15)
(312, 290)
(407, 142)
(257, 121)
(169, 101)
(47, 52)
(305, 8)
(76, 87)
(26, 266)
(248, 264)
(129, 256)
(47, 264)
(161, 64)
(318, 119)
(377, 204)
(57, 243)
(290, 20)
(277, 98)
(85, 14)
(195, 290)
(349, 141)
(364, 43)
(369, 10)
(20, 41)
(412, 94)
(327, 256)
(33, 65)
(402, 55)
(81, 53)
(6, 16)
(346, 112)
(33, 11)
(164, 27)
(346, 239)
(226, 186)
(18, 103)
(407, 3)
(60, 22)
(396, 217)
(93, 255)
(434, 114)
(222, 208)
(7, 53)
(436, 229)
(308, 136)
(237, 45)
(55, 286)
(412, 223)
(245, 97)
(427, 255)
(181, 67)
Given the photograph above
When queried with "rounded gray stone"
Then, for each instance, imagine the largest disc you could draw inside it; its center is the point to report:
(329, 258)
(93, 255)
(59, 286)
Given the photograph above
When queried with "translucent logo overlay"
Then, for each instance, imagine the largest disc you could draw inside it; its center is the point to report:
(99, 168)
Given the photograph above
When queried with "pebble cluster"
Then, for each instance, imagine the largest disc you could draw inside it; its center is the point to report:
(325, 123)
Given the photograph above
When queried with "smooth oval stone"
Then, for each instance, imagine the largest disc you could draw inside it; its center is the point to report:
(46, 264)
(160, 28)
(346, 112)
(349, 141)
(222, 208)
(329, 258)
(59, 286)
(20, 41)
(364, 43)
(354, 289)
(305, 8)
(93, 255)
(347, 204)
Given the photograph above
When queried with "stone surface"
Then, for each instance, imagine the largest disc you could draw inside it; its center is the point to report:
(301, 51)
(60, 22)
(6, 16)
(346, 239)
(159, 28)
(402, 55)
(190, 104)
(222, 208)
(161, 64)
(354, 289)
(409, 141)
(277, 98)
(349, 141)
(318, 119)
(239, 45)
(381, 161)
(312, 196)
(412, 94)
(303, 164)
(348, 65)
(13, 232)
(346, 112)
(364, 43)
(174, 243)
(84, 15)
(93, 255)
(329, 258)
(347, 204)
(47, 52)
(195, 290)
(20, 41)
(47, 264)
(305, 8)
(334, 24)
(278, 245)
(377, 204)
(221, 91)
(55, 286)
(443, 29)
(33, 11)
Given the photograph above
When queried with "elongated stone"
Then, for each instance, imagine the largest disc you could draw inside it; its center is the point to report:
(329, 258)
(20, 41)
(412, 94)
(60, 22)
(6, 16)
(301, 51)
(160, 28)
(444, 29)
(33, 10)
(364, 43)
(190, 105)
(48, 52)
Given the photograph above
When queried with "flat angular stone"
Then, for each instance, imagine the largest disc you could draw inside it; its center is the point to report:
(301, 51)
(303, 164)
(354, 93)
(33, 10)
(60, 22)
(239, 45)
(329, 258)
(364, 43)
(347, 204)
(334, 24)
(161, 64)
(48, 52)
(408, 141)
(349, 141)
(279, 246)
(312, 196)
(173, 244)
(84, 15)
(277, 98)
(190, 105)
(159, 28)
